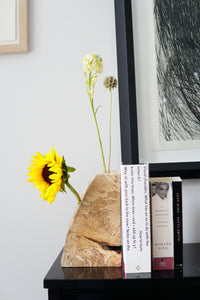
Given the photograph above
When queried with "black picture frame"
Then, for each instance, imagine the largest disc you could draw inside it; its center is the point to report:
(127, 100)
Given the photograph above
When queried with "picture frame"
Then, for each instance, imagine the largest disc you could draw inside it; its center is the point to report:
(129, 118)
(14, 30)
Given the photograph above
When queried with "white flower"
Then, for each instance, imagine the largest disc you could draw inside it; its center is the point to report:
(93, 62)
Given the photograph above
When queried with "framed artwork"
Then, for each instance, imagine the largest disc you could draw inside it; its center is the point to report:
(159, 84)
(13, 26)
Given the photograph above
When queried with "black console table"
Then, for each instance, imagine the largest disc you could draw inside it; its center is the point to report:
(104, 283)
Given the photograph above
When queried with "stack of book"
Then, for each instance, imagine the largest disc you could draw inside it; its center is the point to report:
(151, 221)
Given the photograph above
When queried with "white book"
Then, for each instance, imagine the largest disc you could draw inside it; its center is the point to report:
(135, 218)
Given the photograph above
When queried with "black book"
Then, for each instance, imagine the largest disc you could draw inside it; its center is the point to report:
(178, 220)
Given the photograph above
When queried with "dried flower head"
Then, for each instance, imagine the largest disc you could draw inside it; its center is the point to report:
(110, 82)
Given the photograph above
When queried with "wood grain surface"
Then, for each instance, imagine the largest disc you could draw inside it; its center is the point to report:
(94, 236)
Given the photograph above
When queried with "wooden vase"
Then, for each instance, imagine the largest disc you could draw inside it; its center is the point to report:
(94, 236)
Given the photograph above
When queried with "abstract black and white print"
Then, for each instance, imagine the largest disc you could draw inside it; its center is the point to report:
(177, 29)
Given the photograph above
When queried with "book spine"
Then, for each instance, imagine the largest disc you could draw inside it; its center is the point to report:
(162, 226)
(178, 228)
(135, 216)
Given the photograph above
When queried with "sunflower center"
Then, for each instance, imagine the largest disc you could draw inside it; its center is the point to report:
(46, 173)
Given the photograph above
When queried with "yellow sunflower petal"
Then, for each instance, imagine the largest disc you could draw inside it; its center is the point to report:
(40, 173)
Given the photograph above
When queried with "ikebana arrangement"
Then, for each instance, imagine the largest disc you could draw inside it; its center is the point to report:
(94, 236)
(49, 172)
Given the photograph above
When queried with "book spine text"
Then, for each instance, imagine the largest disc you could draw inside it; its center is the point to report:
(162, 226)
(135, 215)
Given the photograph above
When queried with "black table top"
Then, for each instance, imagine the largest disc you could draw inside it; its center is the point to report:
(112, 277)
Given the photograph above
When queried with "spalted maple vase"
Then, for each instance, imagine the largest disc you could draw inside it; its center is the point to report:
(94, 236)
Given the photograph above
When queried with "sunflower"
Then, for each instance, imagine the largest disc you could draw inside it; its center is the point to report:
(49, 174)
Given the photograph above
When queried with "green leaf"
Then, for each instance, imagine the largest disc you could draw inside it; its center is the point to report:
(63, 163)
(70, 169)
(63, 187)
(97, 109)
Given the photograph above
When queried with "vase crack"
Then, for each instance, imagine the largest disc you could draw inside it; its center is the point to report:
(105, 246)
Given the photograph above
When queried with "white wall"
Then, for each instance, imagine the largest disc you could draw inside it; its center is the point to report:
(44, 104)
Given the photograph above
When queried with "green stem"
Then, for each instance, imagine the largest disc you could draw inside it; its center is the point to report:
(73, 191)
(98, 133)
(109, 159)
